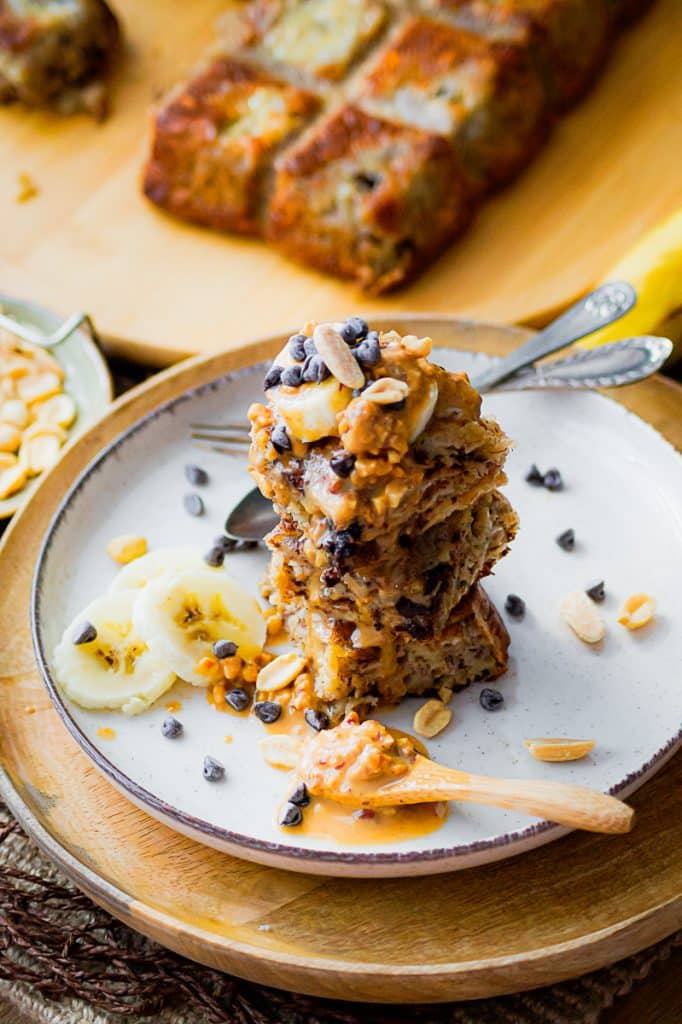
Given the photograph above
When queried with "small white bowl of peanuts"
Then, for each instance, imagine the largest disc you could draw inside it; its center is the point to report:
(46, 398)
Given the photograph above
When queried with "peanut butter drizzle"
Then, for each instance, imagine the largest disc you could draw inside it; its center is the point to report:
(105, 733)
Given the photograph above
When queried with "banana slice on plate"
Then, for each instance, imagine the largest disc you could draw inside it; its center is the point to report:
(182, 615)
(116, 668)
(163, 562)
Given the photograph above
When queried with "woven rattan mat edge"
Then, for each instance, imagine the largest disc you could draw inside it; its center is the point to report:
(64, 961)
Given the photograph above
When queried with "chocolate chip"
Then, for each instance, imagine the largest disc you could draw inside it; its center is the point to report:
(596, 591)
(171, 728)
(225, 544)
(315, 370)
(368, 352)
(84, 634)
(330, 578)
(395, 406)
(566, 540)
(281, 441)
(215, 557)
(273, 377)
(354, 329)
(300, 796)
(296, 347)
(213, 771)
(552, 480)
(515, 606)
(224, 649)
(534, 476)
(267, 710)
(367, 180)
(317, 720)
(291, 816)
(193, 504)
(408, 608)
(310, 347)
(292, 377)
(197, 476)
(342, 463)
(238, 699)
(491, 700)
(339, 543)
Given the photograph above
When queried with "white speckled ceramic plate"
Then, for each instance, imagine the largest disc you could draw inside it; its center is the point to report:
(623, 497)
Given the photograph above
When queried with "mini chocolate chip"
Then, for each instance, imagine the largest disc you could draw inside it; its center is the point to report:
(339, 543)
(317, 720)
(197, 476)
(292, 377)
(171, 728)
(291, 816)
(342, 463)
(329, 578)
(566, 540)
(491, 700)
(273, 377)
(296, 347)
(215, 557)
(313, 370)
(225, 544)
(267, 710)
(366, 180)
(323, 371)
(368, 352)
(84, 634)
(224, 649)
(515, 606)
(552, 480)
(310, 347)
(213, 771)
(596, 591)
(193, 504)
(356, 392)
(238, 699)
(395, 406)
(300, 796)
(354, 329)
(408, 608)
(281, 441)
(248, 545)
(534, 476)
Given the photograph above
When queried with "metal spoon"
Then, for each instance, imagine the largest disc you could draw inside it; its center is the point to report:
(609, 366)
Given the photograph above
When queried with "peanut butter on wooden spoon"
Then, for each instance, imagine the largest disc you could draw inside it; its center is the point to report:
(363, 765)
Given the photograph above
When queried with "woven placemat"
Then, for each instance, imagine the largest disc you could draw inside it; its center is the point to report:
(63, 960)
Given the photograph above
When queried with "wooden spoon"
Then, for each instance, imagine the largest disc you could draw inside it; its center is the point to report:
(427, 782)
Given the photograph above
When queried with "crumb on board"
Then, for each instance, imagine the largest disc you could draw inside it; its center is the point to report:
(26, 188)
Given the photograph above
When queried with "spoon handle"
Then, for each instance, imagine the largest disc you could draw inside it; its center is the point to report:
(601, 307)
(567, 804)
(608, 366)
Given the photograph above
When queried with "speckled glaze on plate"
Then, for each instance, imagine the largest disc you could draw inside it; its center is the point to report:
(623, 497)
(86, 379)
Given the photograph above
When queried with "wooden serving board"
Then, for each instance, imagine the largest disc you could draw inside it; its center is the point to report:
(557, 912)
(160, 290)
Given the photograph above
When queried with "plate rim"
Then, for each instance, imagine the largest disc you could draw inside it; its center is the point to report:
(301, 857)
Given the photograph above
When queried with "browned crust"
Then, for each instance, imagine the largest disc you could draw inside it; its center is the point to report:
(420, 203)
(492, 626)
(191, 172)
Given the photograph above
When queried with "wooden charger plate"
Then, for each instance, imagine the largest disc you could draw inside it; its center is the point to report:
(89, 240)
(583, 902)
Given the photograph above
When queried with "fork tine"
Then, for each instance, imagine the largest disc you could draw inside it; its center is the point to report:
(241, 428)
(223, 438)
(223, 449)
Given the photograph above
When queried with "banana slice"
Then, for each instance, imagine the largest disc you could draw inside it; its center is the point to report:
(182, 615)
(310, 411)
(164, 562)
(115, 670)
(421, 413)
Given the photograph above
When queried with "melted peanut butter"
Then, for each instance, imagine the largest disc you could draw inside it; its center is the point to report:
(105, 733)
(326, 819)
(173, 706)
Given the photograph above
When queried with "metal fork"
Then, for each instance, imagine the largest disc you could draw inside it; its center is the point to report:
(609, 366)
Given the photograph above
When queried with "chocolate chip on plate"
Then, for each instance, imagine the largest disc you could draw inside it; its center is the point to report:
(281, 441)
(342, 463)
(197, 476)
(296, 347)
(566, 540)
(213, 771)
(226, 544)
(215, 557)
(534, 476)
(224, 649)
(238, 699)
(291, 816)
(193, 504)
(300, 796)
(490, 700)
(515, 606)
(171, 728)
(317, 720)
(267, 710)
(292, 377)
(552, 480)
(84, 634)
(596, 590)
(273, 377)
